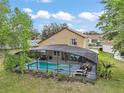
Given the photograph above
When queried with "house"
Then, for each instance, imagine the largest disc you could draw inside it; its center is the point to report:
(95, 41)
(94, 38)
(108, 47)
(69, 48)
(66, 36)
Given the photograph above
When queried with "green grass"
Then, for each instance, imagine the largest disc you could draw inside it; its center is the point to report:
(15, 83)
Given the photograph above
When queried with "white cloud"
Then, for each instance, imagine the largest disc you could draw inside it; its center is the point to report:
(33, 16)
(40, 14)
(91, 16)
(27, 10)
(43, 14)
(45, 1)
(39, 1)
(63, 16)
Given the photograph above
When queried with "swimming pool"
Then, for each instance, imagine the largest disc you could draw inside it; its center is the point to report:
(54, 67)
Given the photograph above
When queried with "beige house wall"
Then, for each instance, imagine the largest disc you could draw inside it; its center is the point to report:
(64, 37)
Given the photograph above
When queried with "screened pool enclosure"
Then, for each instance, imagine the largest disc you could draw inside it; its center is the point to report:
(64, 59)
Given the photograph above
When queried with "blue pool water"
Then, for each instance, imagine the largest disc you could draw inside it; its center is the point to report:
(60, 68)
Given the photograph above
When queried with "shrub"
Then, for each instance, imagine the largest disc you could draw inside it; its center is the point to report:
(50, 72)
(105, 70)
(13, 61)
(61, 77)
(105, 65)
(10, 62)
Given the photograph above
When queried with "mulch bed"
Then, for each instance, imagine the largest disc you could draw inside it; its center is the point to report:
(54, 76)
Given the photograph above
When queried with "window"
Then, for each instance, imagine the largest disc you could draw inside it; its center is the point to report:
(73, 41)
(55, 53)
(50, 57)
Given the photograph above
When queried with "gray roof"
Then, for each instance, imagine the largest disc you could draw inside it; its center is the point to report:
(93, 56)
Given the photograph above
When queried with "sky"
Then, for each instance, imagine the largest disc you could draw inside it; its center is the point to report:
(81, 15)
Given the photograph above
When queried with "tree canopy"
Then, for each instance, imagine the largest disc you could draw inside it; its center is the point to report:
(4, 23)
(112, 22)
(91, 33)
(51, 29)
(15, 27)
(15, 31)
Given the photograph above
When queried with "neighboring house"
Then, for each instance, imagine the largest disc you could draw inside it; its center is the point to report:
(95, 41)
(108, 47)
(66, 37)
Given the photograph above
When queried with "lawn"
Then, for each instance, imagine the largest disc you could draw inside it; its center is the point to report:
(15, 83)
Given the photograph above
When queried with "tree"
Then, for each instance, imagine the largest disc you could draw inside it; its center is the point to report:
(21, 25)
(51, 29)
(34, 33)
(15, 31)
(91, 33)
(4, 24)
(112, 22)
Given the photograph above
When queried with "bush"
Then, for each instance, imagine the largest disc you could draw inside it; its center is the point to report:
(105, 70)
(61, 77)
(105, 65)
(10, 62)
(13, 61)
(50, 72)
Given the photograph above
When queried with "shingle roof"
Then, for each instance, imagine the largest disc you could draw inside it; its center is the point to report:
(74, 31)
